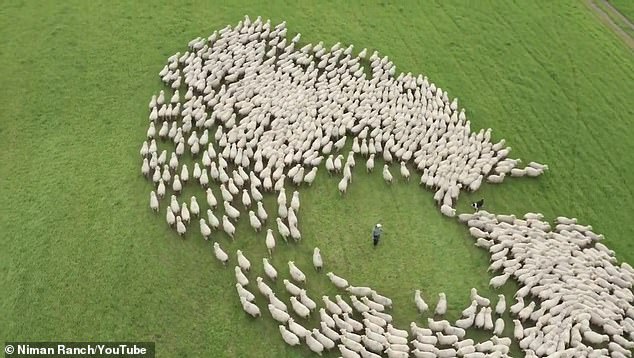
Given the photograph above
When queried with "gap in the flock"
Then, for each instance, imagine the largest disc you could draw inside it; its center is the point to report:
(419, 248)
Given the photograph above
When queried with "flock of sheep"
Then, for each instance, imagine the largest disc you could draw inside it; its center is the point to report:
(257, 113)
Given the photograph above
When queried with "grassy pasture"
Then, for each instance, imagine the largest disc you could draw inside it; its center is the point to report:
(625, 7)
(83, 258)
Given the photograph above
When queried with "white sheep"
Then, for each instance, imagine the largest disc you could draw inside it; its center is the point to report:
(525, 312)
(391, 353)
(498, 281)
(385, 316)
(420, 302)
(466, 322)
(269, 270)
(194, 208)
(145, 168)
(323, 339)
(331, 306)
(343, 185)
(369, 164)
(307, 301)
(174, 205)
(250, 308)
(204, 179)
(518, 172)
(448, 211)
(501, 305)
(372, 305)
(352, 345)
(255, 193)
(262, 215)
(446, 340)
(270, 241)
(154, 202)
(297, 328)
(385, 301)
(441, 306)
(499, 327)
(151, 131)
(160, 190)
(337, 163)
(347, 353)
(482, 301)
(220, 254)
(565, 221)
(212, 219)
(310, 176)
(387, 176)
(329, 331)
(318, 263)
(326, 319)
(277, 302)
(358, 305)
(488, 319)
(295, 233)
(170, 217)
(345, 307)
(299, 308)
(246, 199)
(185, 213)
(254, 221)
(337, 281)
(243, 262)
(296, 273)
(496, 179)
(351, 336)
(263, 287)
(437, 326)
(173, 163)
(359, 290)
(518, 306)
(211, 199)
(240, 277)
(243, 292)
(291, 218)
(404, 171)
(277, 314)
(205, 230)
(595, 338)
(538, 166)
(282, 211)
(180, 227)
(314, 345)
(291, 288)
(226, 194)
(330, 165)
(228, 227)
(289, 337)
(533, 172)
(283, 229)
(295, 201)
(231, 212)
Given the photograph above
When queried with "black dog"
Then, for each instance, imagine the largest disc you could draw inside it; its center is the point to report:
(478, 204)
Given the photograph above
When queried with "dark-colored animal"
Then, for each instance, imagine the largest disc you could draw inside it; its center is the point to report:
(478, 204)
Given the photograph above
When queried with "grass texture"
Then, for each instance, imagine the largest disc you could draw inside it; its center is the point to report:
(82, 257)
(625, 7)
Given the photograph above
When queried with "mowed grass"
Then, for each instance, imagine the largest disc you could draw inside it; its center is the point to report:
(625, 7)
(83, 258)
(617, 16)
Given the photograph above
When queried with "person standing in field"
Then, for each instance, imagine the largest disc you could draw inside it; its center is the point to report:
(376, 234)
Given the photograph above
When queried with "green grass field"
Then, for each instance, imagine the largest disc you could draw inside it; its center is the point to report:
(82, 257)
(625, 7)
